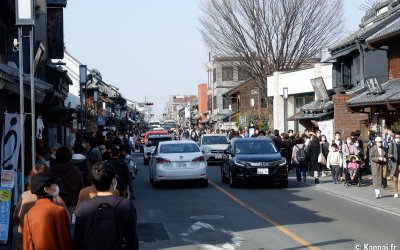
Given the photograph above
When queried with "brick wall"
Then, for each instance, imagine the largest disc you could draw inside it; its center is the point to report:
(203, 99)
(346, 121)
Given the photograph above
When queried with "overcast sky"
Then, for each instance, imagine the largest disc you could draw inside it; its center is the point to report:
(148, 48)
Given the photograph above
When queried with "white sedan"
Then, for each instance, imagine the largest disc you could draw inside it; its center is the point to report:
(178, 160)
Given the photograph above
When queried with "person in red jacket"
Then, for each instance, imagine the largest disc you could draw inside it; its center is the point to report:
(46, 225)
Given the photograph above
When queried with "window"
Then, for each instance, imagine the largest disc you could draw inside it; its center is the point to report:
(346, 73)
(209, 102)
(263, 103)
(243, 74)
(227, 73)
(394, 61)
(225, 102)
(214, 75)
(215, 102)
(253, 91)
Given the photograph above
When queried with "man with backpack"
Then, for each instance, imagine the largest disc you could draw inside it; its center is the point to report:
(299, 159)
(106, 221)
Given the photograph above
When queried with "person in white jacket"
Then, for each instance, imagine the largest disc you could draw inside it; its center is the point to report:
(334, 161)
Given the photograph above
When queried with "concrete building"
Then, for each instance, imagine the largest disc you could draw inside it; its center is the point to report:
(224, 73)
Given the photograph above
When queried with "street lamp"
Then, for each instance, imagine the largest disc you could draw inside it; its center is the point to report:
(25, 17)
(252, 111)
(285, 111)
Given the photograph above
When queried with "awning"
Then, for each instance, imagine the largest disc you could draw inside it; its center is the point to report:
(391, 94)
(301, 115)
(229, 115)
(340, 54)
(204, 121)
(10, 77)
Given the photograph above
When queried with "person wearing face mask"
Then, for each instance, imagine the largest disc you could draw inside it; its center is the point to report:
(324, 144)
(104, 179)
(46, 224)
(69, 178)
(394, 156)
(378, 158)
(28, 200)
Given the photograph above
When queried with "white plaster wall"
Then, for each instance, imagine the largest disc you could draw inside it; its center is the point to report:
(297, 82)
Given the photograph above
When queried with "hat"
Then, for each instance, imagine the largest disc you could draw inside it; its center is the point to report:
(40, 180)
(378, 139)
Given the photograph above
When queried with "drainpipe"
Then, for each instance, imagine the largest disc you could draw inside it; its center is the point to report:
(361, 59)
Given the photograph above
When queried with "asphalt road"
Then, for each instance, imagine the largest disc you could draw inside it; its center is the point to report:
(187, 216)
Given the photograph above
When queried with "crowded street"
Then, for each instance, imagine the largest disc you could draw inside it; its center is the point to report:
(327, 216)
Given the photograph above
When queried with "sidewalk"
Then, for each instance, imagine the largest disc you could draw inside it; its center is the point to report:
(363, 195)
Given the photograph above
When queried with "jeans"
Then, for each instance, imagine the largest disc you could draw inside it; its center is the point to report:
(301, 170)
(335, 172)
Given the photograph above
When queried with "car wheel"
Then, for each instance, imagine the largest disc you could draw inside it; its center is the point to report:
(204, 183)
(156, 184)
(232, 180)
(145, 161)
(224, 179)
(284, 184)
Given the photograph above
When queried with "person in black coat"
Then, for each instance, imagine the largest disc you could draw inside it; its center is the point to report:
(313, 150)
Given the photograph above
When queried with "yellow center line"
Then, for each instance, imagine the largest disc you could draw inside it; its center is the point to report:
(266, 218)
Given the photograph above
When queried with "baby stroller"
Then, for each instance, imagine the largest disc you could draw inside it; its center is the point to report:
(352, 171)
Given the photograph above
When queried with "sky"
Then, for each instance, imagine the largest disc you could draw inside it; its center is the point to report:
(149, 49)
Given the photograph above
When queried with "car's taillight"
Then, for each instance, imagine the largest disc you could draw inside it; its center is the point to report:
(162, 160)
(199, 159)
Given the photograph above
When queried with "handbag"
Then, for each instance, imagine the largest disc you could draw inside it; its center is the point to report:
(321, 159)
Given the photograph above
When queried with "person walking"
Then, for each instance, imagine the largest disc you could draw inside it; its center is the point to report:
(122, 171)
(106, 221)
(378, 158)
(324, 144)
(69, 178)
(28, 200)
(46, 224)
(394, 156)
(333, 162)
(131, 164)
(299, 159)
(313, 150)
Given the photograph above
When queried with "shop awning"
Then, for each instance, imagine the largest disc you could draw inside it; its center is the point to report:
(10, 78)
(390, 94)
(301, 115)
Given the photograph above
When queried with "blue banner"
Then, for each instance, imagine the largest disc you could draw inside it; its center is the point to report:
(5, 213)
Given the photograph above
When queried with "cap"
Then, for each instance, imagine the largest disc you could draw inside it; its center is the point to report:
(377, 139)
(40, 180)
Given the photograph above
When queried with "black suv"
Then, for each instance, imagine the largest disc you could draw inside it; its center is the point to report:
(253, 160)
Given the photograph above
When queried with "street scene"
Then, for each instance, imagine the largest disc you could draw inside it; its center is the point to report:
(202, 124)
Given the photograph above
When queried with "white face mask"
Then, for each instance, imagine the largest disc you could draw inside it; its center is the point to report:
(56, 193)
(397, 140)
(356, 144)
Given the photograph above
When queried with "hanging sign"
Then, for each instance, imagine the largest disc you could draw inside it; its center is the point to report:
(10, 146)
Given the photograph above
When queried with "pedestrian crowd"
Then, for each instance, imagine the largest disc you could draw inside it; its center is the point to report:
(82, 197)
(345, 159)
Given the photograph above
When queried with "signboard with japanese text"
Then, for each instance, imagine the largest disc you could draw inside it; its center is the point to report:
(10, 146)
(5, 214)
(326, 128)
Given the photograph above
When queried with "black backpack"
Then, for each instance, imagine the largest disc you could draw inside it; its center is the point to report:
(301, 155)
(106, 230)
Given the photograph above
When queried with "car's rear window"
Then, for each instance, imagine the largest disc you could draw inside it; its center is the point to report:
(255, 147)
(179, 148)
(156, 140)
(215, 140)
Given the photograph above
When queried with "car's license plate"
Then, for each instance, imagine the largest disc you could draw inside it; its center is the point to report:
(218, 156)
(181, 164)
(262, 171)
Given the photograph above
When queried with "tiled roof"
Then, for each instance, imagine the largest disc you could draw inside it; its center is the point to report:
(391, 93)
(366, 31)
(318, 106)
(390, 29)
(56, 3)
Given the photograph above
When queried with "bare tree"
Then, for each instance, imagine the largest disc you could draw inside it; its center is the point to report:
(270, 35)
